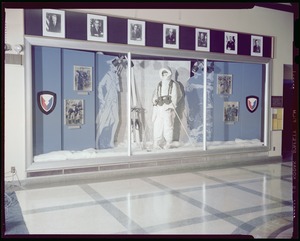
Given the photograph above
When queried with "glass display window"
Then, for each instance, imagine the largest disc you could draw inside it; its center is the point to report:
(142, 102)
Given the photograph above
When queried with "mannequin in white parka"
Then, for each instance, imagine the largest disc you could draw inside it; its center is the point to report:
(165, 99)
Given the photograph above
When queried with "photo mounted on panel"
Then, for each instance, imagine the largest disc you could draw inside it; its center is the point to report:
(83, 78)
(53, 23)
(136, 32)
(224, 84)
(256, 45)
(231, 43)
(74, 112)
(231, 112)
(277, 119)
(202, 39)
(171, 36)
(96, 28)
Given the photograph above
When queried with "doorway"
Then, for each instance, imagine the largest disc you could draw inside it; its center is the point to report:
(288, 89)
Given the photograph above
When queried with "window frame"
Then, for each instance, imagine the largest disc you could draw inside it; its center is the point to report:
(136, 50)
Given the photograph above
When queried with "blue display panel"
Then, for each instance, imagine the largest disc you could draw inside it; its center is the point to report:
(228, 117)
(55, 70)
(81, 134)
(91, 96)
(46, 77)
(246, 80)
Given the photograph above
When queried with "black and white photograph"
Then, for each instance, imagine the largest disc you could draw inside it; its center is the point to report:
(96, 28)
(171, 36)
(231, 112)
(83, 78)
(224, 82)
(202, 39)
(256, 45)
(231, 43)
(74, 112)
(53, 23)
(136, 32)
(277, 119)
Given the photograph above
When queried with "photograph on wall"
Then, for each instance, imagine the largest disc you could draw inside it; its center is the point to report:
(231, 43)
(231, 112)
(136, 32)
(53, 23)
(202, 39)
(277, 119)
(96, 28)
(171, 36)
(74, 112)
(224, 82)
(256, 45)
(83, 78)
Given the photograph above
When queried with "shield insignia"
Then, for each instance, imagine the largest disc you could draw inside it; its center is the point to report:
(252, 103)
(46, 101)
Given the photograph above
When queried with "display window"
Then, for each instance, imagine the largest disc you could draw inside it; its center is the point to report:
(169, 100)
(126, 104)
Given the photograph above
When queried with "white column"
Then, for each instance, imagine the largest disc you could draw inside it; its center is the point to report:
(204, 103)
(129, 102)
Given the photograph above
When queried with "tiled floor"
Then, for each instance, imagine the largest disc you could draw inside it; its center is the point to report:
(250, 200)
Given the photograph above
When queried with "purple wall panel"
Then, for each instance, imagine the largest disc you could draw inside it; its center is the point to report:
(216, 41)
(186, 38)
(267, 48)
(244, 44)
(117, 30)
(76, 24)
(33, 22)
(154, 34)
(76, 28)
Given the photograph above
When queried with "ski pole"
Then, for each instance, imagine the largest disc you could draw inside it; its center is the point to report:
(182, 124)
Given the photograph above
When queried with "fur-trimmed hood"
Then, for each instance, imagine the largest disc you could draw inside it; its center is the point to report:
(165, 69)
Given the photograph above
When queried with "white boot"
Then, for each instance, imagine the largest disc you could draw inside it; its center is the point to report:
(168, 145)
(156, 145)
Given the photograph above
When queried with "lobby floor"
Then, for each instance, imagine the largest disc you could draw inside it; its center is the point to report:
(251, 200)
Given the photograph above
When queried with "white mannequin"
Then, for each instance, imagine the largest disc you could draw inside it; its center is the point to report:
(164, 104)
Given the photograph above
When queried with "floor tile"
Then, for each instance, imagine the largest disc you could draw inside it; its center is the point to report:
(51, 197)
(248, 200)
(81, 220)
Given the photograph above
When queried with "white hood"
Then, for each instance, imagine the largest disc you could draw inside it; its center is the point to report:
(168, 70)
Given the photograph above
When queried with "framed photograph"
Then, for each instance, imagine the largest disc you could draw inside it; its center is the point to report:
(53, 23)
(74, 112)
(202, 39)
(277, 119)
(136, 32)
(231, 112)
(256, 45)
(83, 78)
(96, 28)
(231, 43)
(171, 36)
(224, 84)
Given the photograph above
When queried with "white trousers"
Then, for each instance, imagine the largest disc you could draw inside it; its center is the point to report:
(163, 125)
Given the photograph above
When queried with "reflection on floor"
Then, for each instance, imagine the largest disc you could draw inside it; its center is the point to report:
(251, 200)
